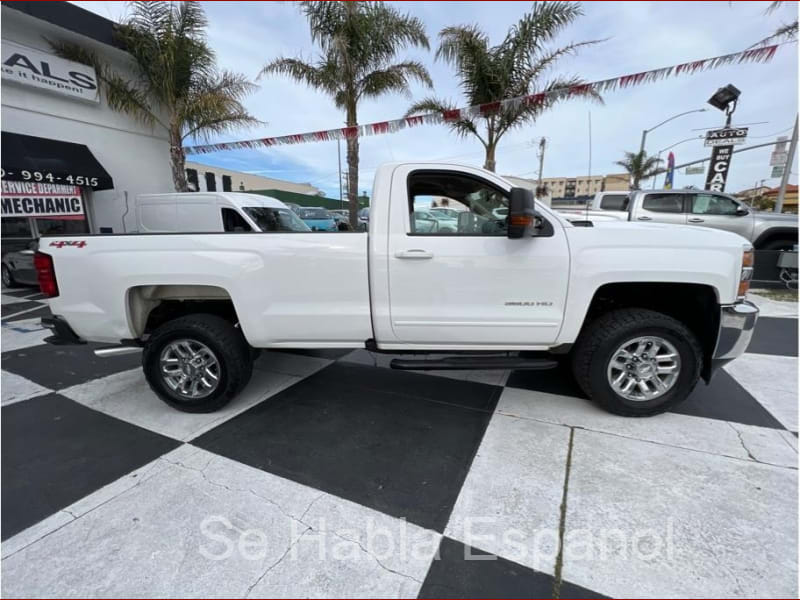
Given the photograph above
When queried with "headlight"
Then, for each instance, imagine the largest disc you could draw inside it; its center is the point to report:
(746, 275)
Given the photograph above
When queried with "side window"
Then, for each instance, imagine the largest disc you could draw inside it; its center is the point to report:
(614, 202)
(665, 203)
(711, 204)
(233, 221)
(445, 203)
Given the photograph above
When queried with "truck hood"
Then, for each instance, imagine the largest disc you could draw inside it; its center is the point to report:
(783, 218)
(628, 233)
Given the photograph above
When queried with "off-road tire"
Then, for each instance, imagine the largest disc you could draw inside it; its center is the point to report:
(600, 339)
(222, 338)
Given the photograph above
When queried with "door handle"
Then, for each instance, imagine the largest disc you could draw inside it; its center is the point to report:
(414, 253)
(696, 220)
(645, 219)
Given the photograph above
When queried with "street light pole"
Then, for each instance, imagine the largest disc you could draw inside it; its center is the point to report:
(787, 169)
(646, 131)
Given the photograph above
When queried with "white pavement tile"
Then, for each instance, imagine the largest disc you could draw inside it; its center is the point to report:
(772, 380)
(509, 503)
(646, 520)
(377, 359)
(683, 431)
(206, 526)
(791, 438)
(15, 388)
(22, 334)
(773, 308)
(290, 364)
(88, 503)
(127, 396)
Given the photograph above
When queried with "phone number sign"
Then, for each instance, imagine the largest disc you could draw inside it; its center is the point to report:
(33, 199)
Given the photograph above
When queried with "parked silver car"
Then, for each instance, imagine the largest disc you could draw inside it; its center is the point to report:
(17, 267)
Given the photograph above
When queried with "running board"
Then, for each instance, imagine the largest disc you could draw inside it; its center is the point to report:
(455, 363)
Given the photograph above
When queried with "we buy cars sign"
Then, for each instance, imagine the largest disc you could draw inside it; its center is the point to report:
(726, 137)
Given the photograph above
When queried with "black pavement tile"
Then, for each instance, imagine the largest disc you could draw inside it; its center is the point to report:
(774, 336)
(400, 443)
(59, 367)
(56, 451)
(725, 399)
(43, 311)
(457, 573)
(23, 292)
(9, 310)
(329, 353)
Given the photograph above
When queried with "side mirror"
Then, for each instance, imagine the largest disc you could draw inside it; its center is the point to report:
(521, 214)
(742, 211)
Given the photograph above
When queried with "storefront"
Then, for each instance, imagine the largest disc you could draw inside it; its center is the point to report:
(46, 185)
(70, 164)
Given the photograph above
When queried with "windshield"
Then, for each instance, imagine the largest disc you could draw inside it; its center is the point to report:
(275, 219)
(315, 213)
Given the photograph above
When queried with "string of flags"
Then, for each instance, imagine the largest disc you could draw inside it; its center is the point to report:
(754, 55)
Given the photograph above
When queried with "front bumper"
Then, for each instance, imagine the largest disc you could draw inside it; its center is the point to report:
(736, 325)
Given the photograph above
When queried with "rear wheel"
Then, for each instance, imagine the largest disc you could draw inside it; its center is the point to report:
(197, 363)
(637, 362)
(779, 244)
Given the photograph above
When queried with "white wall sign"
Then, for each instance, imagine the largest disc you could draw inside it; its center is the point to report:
(35, 68)
(31, 199)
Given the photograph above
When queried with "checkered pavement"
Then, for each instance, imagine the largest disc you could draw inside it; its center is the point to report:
(332, 475)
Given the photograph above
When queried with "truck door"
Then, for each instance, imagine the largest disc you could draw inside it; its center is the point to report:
(661, 207)
(708, 209)
(458, 280)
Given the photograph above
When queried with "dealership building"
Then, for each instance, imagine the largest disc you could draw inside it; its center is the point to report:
(70, 164)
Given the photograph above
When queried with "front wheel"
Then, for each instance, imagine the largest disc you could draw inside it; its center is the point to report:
(197, 363)
(637, 362)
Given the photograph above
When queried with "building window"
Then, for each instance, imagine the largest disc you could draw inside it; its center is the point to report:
(211, 182)
(226, 183)
(191, 180)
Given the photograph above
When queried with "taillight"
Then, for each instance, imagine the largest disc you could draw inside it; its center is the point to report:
(46, 274)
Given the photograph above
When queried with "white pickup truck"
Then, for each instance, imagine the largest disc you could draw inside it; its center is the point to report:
(642, 311)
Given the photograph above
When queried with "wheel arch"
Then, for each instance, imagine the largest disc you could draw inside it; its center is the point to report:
(695, 305)
(149, 306)
(775, 233)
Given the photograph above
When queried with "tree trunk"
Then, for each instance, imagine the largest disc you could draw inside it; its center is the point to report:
(352, 168)
(177, 161)
(490, 163)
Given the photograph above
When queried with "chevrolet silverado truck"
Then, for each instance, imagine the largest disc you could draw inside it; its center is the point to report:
(640, 311)
(697, 208)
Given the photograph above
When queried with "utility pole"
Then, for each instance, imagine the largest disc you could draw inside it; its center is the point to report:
(787, 169)
(339, 152)
(542, 144)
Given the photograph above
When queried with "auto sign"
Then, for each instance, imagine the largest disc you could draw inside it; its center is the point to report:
(726, 136)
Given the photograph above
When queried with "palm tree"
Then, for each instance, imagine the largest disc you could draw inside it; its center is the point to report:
(513, 68)
(359, 41)
(639, 166)
(176, 84)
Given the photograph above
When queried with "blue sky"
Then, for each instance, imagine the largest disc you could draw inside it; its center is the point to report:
(641, 36)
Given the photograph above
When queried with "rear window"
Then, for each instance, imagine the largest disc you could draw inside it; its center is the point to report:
(666, 203)
(614, 202)
(315, 213)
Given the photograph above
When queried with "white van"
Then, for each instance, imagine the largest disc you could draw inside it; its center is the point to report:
(202, 212)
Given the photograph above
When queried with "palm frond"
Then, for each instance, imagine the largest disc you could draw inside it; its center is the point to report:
(463, 127)
(394, 78)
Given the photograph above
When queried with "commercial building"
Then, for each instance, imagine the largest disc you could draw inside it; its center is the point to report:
(203, 178)
(70, 163)
(584, 186)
